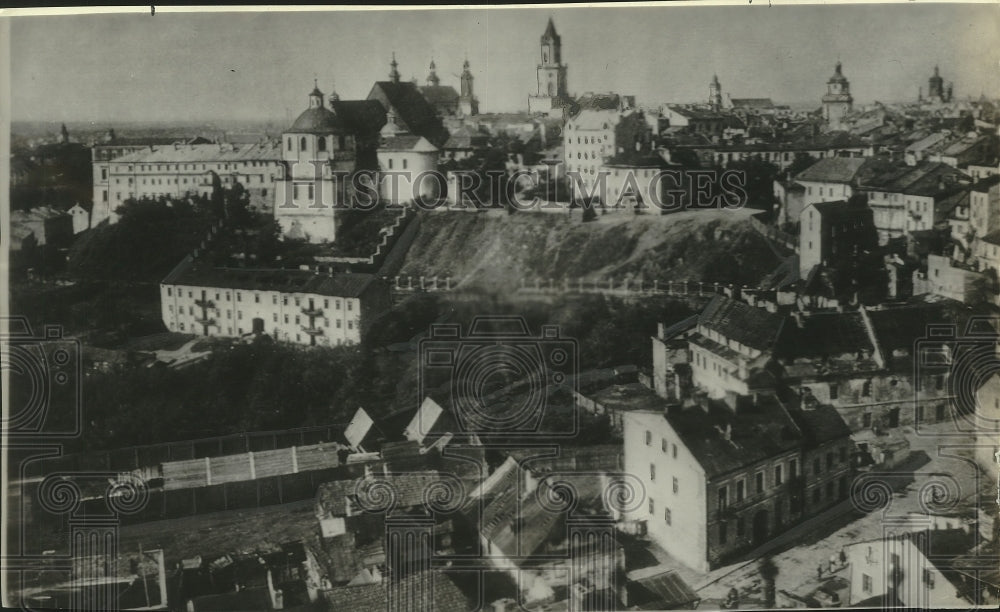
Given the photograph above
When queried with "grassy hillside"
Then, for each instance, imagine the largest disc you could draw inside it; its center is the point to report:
(496, 250)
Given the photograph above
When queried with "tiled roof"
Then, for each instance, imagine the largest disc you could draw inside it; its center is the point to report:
(605, 101)
(202, 274)
(758, 431)
(832, 170)
(440, 94)
(270, 151)
(753, 327)
(665, 591)
(752, 102)
(897, 328)
(925, 179)
(594, 119)
(692, 112)
(413, 109)
(823, 334)
(413, 592)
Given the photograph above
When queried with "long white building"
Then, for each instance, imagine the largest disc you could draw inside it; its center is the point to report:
(299, 306)
(180, 170)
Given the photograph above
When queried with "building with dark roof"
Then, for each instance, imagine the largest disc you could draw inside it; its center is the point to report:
(414, 113)
(906, 198)
(301, 306)
(724, 476)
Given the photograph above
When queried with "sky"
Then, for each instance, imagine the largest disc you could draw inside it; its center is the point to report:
(248, 66)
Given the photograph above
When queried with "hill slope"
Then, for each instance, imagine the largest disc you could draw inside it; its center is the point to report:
(496, 250)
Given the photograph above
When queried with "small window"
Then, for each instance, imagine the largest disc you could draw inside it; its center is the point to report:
(303, 144)
(777, 475)
(677, 485)
(321, 145)
(663, 443)
(666, 516)
(723, 498)
(652, 506)
(740, 486)
(652, 471)
(866, 583)
(723, 535)
(649, 437)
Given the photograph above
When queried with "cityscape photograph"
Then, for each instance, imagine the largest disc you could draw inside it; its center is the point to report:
(640, 306)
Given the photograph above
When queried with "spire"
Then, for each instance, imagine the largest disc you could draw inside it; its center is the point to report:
(465, 65)
(550, 30)
(394, 72)
(333, 95)
(432, 78)
(715, 80)
(936, 73)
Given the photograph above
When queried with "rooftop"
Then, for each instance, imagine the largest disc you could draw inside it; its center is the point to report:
(832, 170)
(184, 153)
(753, 327)
(201, 274)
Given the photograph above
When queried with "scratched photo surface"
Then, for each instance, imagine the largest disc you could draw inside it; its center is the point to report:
(551, 308)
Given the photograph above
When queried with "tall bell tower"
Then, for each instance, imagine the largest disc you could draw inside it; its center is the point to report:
(551, 74)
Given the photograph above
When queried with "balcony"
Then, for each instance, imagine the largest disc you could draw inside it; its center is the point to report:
(313, 331)
(312, 312)
(204, 303)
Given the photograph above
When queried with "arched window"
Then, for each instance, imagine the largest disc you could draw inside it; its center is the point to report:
(289, 144)
(321, 145)
(303, 144)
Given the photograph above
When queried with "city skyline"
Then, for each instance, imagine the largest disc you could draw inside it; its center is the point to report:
(647, 52)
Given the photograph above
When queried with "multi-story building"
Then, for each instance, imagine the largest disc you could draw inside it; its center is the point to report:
(592, 138)
(722, 477)
(903, 571)
(299, 306)
(860, 362)
(320, 153)
(830, 179)
(905, 199)
(832, 231)
(180, 170)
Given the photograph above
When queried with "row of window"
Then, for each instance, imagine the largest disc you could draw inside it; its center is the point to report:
(664, 445)
(277, 334)
(591, 139)
(239, 316)
(321, 143)
(256, 298)
(194, 167)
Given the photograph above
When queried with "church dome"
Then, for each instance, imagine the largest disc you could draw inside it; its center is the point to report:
(319, 120)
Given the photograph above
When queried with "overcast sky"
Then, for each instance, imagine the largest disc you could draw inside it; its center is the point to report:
(257, 66)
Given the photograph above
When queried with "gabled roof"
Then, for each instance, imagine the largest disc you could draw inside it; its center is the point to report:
(203, 274)
(440, 94)
(413, 110)
(409, 143)
(750, 326)
(832, 170)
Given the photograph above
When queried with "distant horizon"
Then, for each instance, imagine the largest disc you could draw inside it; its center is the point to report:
(252, 66)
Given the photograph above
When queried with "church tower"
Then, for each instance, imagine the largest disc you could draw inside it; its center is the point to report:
(935, 87)
(433, 80)
(551, 75)
(837, 102)
(394, 69)
(715, 93)
(468, 105)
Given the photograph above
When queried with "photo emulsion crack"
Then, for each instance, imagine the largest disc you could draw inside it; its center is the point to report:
(662, 306)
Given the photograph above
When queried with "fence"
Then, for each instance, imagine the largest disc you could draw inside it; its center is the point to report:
(139, 457)
(175, 503)
(249, 466)
(627, 287)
